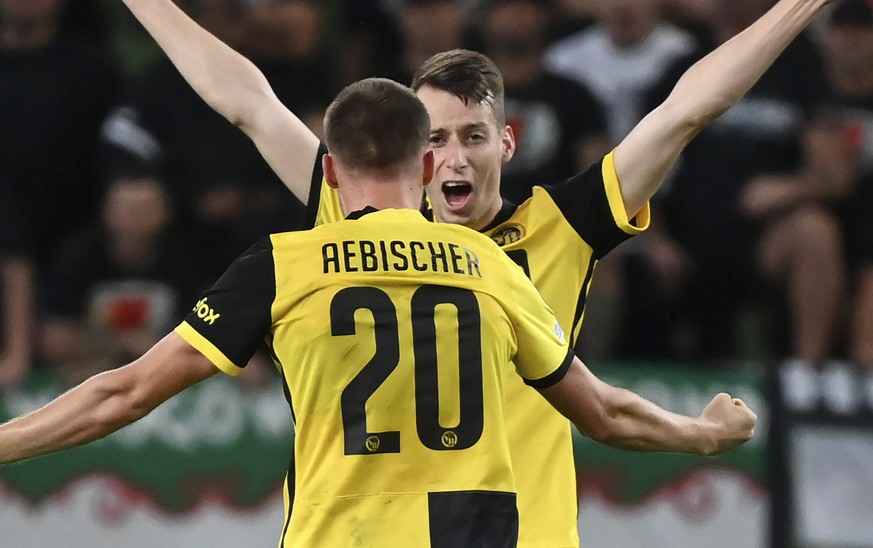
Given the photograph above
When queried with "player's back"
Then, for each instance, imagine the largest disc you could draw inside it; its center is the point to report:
(557, 236)
(395, 335)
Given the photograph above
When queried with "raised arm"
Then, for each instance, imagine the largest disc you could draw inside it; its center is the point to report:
(106, 402)
(623, 419)
(235, 88)
(705, 91)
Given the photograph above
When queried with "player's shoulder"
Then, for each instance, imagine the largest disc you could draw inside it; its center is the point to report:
(298, 241)
(468, 235)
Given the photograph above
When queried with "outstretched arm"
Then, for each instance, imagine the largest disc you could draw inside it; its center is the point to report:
(235, 88)
(106, 402)
(623, 419)
(705, 91)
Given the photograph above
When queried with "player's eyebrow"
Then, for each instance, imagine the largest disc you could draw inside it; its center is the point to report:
(473, 126)
(477, 126)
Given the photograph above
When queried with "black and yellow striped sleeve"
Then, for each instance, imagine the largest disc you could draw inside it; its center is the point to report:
(316, 182)
(233, 317)
(593, 205)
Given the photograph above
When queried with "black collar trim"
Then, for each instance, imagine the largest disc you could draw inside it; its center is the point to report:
(361, 212)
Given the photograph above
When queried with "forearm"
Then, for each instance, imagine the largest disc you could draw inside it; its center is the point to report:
(720, 79)
(636, 424)
(86, 413)
(705, 91)
(106, 402)
(224, 79)
(619, 418)
(236, 89)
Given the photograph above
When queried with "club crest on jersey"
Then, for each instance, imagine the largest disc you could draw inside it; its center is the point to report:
(508, 235)
(449, 439)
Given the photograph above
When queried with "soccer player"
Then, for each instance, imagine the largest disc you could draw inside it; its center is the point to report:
(393, 336)
(557, 235)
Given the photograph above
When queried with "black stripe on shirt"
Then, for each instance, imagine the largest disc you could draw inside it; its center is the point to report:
(291, 487)
(580, 304)
(482, 519)
(555, 376)
(314, 199)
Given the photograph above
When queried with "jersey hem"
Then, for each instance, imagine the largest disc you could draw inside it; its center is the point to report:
(205, 347)
(616, 201)
(554, 377)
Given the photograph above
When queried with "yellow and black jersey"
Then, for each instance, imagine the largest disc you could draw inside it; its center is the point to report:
(394, 337)
(556, 236)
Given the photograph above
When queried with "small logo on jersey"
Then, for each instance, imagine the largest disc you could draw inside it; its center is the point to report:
(559, 332)
(205, 312)
(449, 439)
(372, 443)
(508, 235)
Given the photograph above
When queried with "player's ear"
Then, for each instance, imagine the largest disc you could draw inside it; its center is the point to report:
(329, 170)
(428, 168)
(508, 144)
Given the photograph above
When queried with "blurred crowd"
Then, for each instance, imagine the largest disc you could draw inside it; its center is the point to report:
(122, 194)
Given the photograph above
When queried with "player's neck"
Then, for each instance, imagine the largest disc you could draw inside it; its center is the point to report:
(488, 218)
(381, 194)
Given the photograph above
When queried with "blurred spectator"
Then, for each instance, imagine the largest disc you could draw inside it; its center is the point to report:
(744, 209)
(578, 9)
(86, 20)
(370, 36)
(120, 285)
(286, 39)
(426, 27)
(621, 57)
(55, 91)
(133, 50)
(559, 126)
(222, 184)
(17, 291)
(840, 152)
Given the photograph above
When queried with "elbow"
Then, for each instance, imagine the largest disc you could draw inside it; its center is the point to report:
(610, 433)
(247, 114)
(120, 403)
(616, 423)
(232, 112)
(604, 425)
(691, 117)
(244, 104)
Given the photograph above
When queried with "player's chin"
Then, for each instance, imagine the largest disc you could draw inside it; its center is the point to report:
(449, 215)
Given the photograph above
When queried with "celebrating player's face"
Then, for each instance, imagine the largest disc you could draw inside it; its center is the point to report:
(469, 148)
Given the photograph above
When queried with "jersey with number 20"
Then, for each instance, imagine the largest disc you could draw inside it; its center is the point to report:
(394, 337)
(557, 236)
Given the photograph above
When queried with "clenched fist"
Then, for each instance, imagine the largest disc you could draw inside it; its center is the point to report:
(728, 422)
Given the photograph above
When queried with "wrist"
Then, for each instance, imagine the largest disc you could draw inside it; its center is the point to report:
(704, 438)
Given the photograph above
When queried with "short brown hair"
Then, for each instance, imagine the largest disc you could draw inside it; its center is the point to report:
(469, 75)
(376, 123)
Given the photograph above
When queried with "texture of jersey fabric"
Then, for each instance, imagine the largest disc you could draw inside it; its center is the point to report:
(395, 337)
(556, 236)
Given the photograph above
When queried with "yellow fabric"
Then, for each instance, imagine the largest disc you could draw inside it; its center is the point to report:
(560, 264)
(347, 305)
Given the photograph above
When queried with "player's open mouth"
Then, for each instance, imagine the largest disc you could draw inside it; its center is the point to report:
(457, 194)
